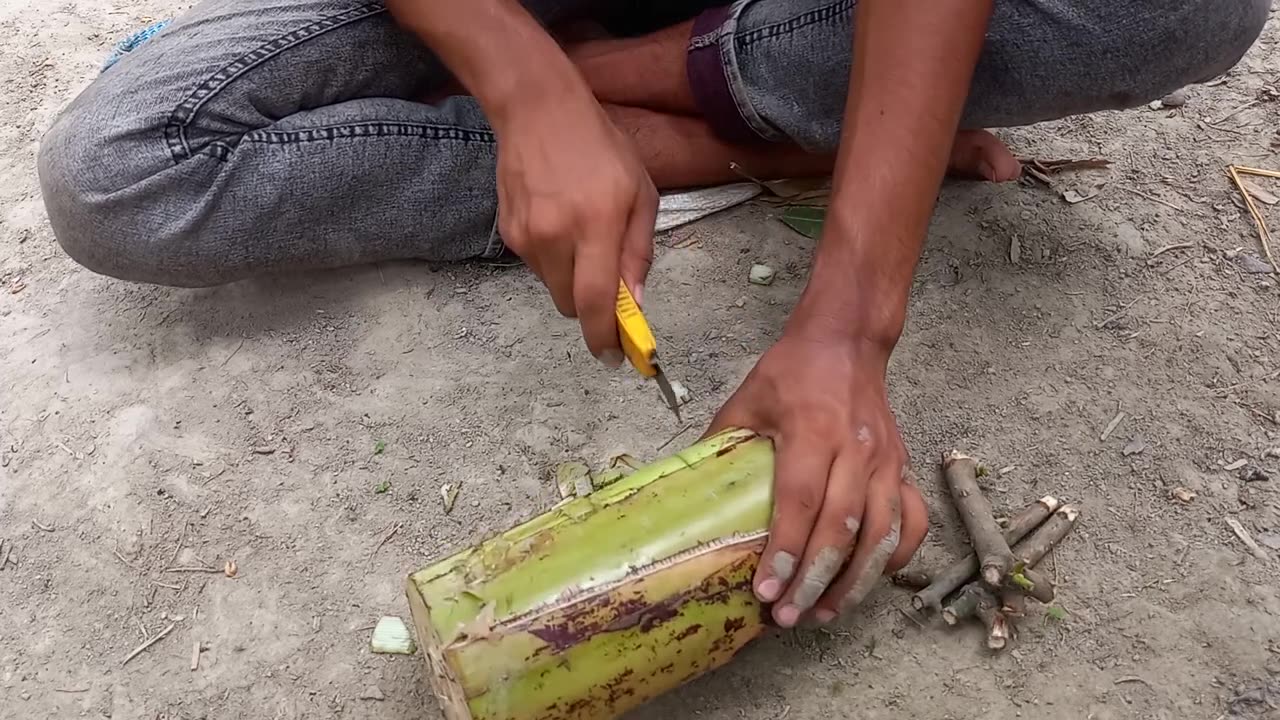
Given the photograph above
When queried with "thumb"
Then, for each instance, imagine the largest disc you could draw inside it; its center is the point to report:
(637, 243)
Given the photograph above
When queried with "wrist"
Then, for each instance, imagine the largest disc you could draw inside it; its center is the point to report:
(497, 51)
(858, 288)
(553, 87)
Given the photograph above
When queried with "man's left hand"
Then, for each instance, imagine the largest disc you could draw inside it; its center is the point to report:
(845, 509)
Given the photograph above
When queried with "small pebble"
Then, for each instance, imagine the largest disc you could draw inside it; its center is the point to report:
(1175, 99)
(761, 275)
(680, 391)
(373, 692)
(1253, 473)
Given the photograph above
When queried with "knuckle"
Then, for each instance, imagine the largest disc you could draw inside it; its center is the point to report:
(546, 221)
(805, 496)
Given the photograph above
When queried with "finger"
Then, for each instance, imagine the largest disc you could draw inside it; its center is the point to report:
(556, 273)
(801, 467)
(831, 540)
(637, 243)
(733, 414)
(595, 295)
(915, 526)
(877, 540)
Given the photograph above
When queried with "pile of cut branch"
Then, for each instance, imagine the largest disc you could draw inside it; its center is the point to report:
(992, 583)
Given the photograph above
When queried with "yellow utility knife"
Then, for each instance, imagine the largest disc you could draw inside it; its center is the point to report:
(639, 345)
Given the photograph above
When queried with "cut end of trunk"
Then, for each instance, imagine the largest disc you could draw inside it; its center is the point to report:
(950, 617)
(955, 456)
(998, 633)
(1071, 512)
(444, 683)
(993, 574)
(1051, 502)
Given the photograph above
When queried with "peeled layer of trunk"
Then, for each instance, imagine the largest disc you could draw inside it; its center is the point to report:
(604, 601)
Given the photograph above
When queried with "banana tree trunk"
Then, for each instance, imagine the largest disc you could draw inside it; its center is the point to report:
(604, 601)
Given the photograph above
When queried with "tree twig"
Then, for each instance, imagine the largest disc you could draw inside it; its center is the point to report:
(914, 579)
(1153, 198)
(177, 548)
(998, 629)
(1110, 319)
(995, 557)
(952, 577)
(1264, 235)
(965, 604)
(385, 538)
(1032, 549)
(155, 639)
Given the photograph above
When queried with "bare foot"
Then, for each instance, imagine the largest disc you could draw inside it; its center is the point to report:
(979, 155)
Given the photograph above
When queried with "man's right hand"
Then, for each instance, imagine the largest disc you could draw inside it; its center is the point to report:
(576, 204)
(574, 200)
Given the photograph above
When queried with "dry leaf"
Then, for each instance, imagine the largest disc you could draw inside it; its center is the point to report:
(1184, 494)
(1074, 195)
(1259, 193)
(230, 569)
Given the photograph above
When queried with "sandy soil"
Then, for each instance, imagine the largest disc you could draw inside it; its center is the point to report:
(146, 425)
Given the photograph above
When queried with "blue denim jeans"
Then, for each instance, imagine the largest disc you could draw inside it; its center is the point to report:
(257, 136)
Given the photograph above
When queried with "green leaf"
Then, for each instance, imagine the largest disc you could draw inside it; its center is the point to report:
(379, 447)
(382, 487)
(1021, 581)
(805, 220)
(983, 471)
(1056, 613)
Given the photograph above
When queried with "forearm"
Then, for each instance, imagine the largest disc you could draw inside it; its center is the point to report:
(496, 50)
(912, 66)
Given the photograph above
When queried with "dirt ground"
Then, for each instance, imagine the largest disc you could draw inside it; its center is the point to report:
(144, 427)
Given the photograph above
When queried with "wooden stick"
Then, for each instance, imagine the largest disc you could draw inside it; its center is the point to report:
(951, 578)
(141, 648)
(1013, 603)
(914, 579)
(1032, 583)
(993, 551)
(1264, 235)
(966, 603)
(998, 630)
(1257, 171)
(1033, 549)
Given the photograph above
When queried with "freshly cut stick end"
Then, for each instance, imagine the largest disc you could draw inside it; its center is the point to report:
(1051, 502)
(993, 575)
(955, 456)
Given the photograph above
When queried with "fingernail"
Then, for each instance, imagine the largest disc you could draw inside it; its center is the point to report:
(639, 294)
(987, 170)
(769, 590)
(612, 358)
(824, 616)
(788, 616)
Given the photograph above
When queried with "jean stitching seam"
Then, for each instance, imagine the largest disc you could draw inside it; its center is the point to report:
(370, 129)
(733, 75)
(184, 114)
(813, 17)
